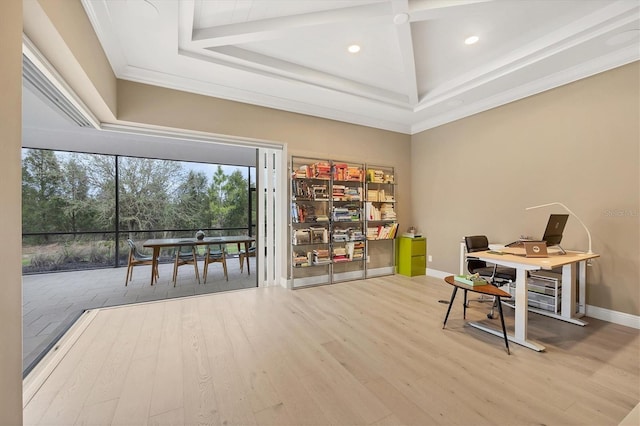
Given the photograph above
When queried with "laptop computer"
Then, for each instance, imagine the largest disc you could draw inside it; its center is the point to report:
(535, 249)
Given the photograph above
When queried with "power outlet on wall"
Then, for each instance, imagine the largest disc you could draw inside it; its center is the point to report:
(430, 258)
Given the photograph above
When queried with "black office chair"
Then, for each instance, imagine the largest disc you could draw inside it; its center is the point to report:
(496, 275)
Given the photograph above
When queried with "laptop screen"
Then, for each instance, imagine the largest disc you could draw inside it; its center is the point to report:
(555, 228)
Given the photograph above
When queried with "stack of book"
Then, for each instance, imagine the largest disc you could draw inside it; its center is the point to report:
(472, 279)
(341, 214)
(321, 170)
(340, 255)
(376, 176)
(340, 235)
(321, 257)
(300, 259)
(355, 250)
(338, 192)
(387, 212)
(301, 172)
(356, 235)
(353, 193)
(355, 174)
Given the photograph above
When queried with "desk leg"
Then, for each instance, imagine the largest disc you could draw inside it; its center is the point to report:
(521, 317)
(582, 289)
(154, 264)
(568, 301)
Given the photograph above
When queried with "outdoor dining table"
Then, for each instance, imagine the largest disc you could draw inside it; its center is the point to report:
(157, 244)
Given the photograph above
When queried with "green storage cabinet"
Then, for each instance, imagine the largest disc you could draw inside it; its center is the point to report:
(412, 256)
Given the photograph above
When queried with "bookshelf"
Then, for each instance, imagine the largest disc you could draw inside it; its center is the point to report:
(329, 222)
(380, 220)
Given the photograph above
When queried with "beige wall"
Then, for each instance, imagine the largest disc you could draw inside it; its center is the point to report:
(10, 213)
(303, 135)
(577, 144)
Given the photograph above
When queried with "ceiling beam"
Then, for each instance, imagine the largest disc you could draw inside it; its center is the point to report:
(266, 29)
(405, 43)
(425, 10)
(245, 60)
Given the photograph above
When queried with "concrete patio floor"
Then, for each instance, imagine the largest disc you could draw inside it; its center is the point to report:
(52, 302)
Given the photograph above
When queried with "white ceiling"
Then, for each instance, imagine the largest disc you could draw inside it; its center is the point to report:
(414, 72)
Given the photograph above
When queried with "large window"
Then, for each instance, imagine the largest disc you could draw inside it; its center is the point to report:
(74, 218)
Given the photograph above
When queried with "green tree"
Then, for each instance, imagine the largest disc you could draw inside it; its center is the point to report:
(217, 198)
(102, 177)
(42, 204)
(78, 208)
(147, 188)
(192, 207)
(236, 200)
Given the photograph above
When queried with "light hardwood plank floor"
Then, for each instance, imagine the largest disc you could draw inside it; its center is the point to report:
(359, 353)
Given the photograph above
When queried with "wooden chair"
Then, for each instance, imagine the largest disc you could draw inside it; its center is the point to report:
(245, 255)
(218, 255)
(137, 259)
(185, 255)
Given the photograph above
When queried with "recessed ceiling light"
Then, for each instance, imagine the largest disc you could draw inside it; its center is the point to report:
(354, 48)
(471, 40)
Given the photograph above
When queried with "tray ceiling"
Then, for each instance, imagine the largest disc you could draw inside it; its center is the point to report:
(413, 70)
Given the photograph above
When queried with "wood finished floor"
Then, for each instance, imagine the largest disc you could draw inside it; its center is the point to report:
(360, 353)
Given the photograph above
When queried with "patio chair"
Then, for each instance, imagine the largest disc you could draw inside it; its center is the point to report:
(185, 255)
(218, 255)
(245, 255)
(137, 259)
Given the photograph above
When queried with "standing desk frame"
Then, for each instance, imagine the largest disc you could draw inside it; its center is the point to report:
(573, 266)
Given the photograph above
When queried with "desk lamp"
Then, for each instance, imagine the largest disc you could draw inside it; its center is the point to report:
(572, 214)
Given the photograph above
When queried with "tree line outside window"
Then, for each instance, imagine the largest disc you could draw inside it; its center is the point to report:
(73, 217)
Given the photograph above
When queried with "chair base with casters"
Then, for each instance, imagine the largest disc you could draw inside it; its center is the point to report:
(185, 255)
(137, 259)
(215, 256)
(496, 275)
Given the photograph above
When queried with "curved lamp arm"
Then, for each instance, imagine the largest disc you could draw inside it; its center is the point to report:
(572, 214)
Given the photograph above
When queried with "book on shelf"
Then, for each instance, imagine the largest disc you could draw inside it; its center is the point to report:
(321, 257)
(300, 259)
(471, 279)
(382, 232)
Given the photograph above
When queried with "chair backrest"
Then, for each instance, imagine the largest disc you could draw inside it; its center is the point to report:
(476, 243)
(216, 250)
(185, 250)
(133, 250)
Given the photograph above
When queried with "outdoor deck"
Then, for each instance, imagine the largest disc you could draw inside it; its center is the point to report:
(52, 302)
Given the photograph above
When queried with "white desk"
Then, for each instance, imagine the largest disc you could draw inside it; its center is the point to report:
(568, 312)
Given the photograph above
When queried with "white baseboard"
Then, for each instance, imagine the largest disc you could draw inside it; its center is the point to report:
(615, 317)
(437, 274)
(596, 312)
